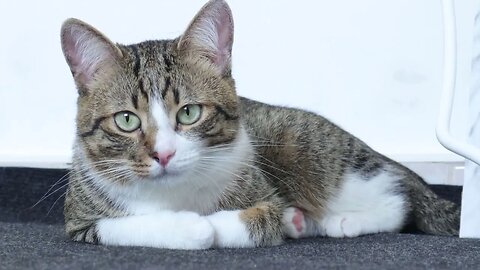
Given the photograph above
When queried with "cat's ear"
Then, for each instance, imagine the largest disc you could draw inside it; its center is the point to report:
(87, 51)
(210, 35)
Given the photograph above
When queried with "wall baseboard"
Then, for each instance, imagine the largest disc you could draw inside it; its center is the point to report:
(435, 173)
(439, 173)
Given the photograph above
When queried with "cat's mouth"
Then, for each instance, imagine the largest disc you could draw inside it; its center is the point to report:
(163, 175)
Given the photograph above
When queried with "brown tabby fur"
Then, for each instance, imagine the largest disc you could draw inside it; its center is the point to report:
(300, 158)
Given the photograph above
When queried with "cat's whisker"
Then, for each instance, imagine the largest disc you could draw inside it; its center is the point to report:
(250, 166)
(116, 163)
(117, 174)
(273, 145)
(223, 147)
(264, 158)
(120, 176)
(49, 194)
(231, 187)
(61, 180)
(108, 173)
(55, 202)
(111, 172)
(251, 160)
(270, 166)
(224, 170)
(262, 139)
(56, 190)
(205, 171)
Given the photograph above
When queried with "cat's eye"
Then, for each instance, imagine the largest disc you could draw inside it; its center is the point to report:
(189, 114)
(127, 121)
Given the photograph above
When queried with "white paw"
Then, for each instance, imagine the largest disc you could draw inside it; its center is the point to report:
(351, 227)
(230, 230)
(183, 230)
(193, 232)
(341, 226)
(293, 221)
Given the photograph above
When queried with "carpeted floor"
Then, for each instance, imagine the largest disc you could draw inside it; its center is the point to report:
(32, 239)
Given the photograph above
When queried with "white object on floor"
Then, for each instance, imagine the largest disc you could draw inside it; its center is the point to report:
(470, 219)
(471, 190)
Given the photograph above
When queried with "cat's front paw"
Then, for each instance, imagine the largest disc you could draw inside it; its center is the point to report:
(193, 231)
(230, 230)
(294, 225)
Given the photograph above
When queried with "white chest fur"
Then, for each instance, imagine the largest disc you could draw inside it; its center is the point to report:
(147, 198)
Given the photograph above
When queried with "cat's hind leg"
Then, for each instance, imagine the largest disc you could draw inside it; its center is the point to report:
(364, 206)
(361, 206)
(294, 223)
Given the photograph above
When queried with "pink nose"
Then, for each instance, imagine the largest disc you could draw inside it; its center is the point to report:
(163, 157)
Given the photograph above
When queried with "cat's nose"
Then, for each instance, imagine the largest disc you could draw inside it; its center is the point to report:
(163, 157)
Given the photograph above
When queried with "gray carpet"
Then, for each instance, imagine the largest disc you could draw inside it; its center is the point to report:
(31, 239)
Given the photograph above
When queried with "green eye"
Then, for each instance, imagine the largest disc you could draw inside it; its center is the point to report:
(189, 114)
(127, 121)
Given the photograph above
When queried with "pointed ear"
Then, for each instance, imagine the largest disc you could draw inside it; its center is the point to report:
(87, 51)
(210, 35)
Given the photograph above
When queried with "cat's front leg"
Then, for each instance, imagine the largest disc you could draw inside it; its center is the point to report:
(259, 225)
(173, 230)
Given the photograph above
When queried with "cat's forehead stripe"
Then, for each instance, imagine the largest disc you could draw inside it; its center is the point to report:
(146, 58)
(167, 61)
(136, 72)
(135, 100)
(136, 67)
(176, 95)
(166, 87)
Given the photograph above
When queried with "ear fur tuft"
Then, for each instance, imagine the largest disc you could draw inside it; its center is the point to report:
(87, 51)
(210, 35)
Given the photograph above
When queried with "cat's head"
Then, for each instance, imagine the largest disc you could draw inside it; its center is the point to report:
(157, 109)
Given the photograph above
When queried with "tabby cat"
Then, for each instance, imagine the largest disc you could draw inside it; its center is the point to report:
(167, 155)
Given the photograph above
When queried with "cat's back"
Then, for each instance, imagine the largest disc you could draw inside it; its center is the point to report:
(294, 142)
(284, 124)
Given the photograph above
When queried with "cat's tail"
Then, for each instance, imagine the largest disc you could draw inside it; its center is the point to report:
(430, 213)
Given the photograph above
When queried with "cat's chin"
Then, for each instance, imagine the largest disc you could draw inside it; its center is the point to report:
(165, 176)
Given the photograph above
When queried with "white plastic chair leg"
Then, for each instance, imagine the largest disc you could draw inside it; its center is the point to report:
(470, 213)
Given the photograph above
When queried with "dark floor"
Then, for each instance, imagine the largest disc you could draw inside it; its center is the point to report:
(31, 239)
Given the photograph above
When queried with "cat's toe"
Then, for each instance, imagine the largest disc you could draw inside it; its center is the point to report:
(350, 227)
(196, 233)
(332, 226)
(294, 225)
(341, 226)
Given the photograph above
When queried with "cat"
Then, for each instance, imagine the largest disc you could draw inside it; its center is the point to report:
(167, 155)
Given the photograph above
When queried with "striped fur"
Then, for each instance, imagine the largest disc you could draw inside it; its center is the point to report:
(242, 165)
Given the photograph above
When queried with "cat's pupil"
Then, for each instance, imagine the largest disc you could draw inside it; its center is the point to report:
(127, 117)
(187, 111)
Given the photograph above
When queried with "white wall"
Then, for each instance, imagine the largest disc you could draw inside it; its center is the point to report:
(372, 66)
